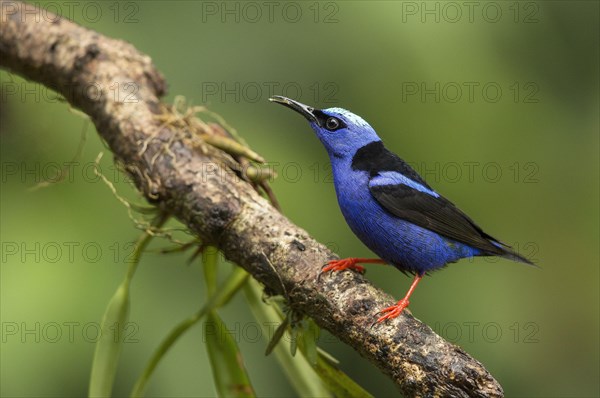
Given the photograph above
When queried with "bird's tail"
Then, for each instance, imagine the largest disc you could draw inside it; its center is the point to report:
(508, 253)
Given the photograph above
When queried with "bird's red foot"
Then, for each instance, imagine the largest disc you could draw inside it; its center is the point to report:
(393, 311)
(345, 263)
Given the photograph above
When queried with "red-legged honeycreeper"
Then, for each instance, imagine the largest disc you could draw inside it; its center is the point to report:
(390, 207)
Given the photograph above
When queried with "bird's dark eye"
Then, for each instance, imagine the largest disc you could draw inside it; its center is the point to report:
(332, 124)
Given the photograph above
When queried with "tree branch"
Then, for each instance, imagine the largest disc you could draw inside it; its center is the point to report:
(195, 185)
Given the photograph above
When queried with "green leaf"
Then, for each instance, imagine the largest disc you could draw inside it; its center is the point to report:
(309, 336)
(279, 332)
(335, 382)
(210, 259)
(294, 341)
(301, 375)
(232, 147)
(114, 321)
(229, 373)
(108, 346)
(338, 382)
(222, 295)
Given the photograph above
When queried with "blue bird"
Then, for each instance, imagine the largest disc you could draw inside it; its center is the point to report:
(391, 209)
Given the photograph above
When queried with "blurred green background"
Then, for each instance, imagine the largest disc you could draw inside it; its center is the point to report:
(495, 103)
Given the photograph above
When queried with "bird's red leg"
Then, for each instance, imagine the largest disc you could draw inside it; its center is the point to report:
(395, 310)
(345, 263)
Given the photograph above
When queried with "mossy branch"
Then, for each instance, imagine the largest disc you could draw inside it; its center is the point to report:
(200, 187)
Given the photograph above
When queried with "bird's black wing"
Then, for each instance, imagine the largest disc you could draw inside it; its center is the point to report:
(401, 191)
(436, 214)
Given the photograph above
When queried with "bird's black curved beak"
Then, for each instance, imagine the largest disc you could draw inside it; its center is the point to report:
(305, 110)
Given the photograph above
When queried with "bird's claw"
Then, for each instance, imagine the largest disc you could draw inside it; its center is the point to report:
(345, 263)
(393, 311)
(339, 265)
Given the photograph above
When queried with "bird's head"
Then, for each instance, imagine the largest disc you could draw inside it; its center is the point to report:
(341, 132)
